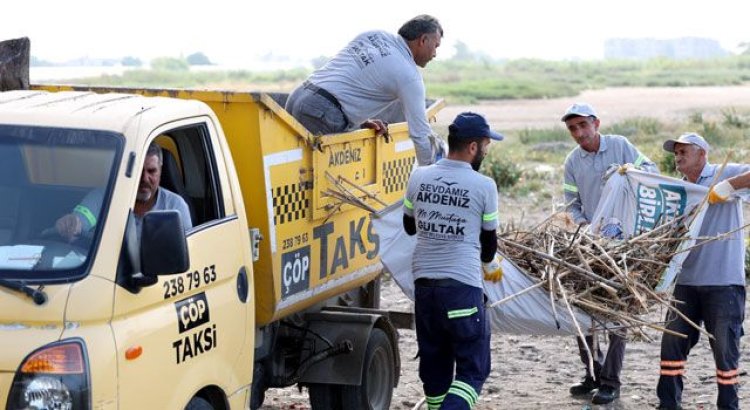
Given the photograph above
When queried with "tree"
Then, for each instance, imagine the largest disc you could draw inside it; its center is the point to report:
(463, 52)
(198, 59)
(746, 47)
(130, 61)
(169, 64)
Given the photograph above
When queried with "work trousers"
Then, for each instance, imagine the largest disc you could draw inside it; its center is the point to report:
(320, 114)
(452, 333)
(607, 369)
(722, 310)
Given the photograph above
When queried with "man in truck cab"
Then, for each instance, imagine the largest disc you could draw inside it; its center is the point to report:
(150, 197)
(375, 74)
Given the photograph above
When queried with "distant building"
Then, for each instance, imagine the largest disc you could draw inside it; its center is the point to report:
(678, 48)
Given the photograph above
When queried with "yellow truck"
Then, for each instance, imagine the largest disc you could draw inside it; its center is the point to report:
(275, 284)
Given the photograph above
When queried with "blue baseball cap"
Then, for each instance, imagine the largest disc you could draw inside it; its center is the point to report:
(472, 125)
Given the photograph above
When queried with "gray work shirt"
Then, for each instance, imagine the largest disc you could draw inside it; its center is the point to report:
(88, 211)
(584, 173)
(374, 74)
(451, 204)
(167, 200)
(721, 262)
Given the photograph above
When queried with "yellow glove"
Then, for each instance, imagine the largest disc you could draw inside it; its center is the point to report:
(720, 192)
(493, 272)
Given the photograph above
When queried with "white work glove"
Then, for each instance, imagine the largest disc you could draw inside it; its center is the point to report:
(493, 272)
(720, 192)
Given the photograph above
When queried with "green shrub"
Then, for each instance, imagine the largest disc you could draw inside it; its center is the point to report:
(667, 164)
(733, 119)
(696, 118)
(534, 136)
(634, 127)
(505, 172)
(711, 132)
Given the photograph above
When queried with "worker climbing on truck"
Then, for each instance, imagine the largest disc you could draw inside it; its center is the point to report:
(371, 79)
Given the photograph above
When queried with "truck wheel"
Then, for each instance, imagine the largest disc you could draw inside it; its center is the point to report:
(378, 376)
(325, 396)
(258, 389)
(199, 403)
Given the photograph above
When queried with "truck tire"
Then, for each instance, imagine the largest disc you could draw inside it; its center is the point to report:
(378, 376)
(258, 389)
(199, 403)
(325, 396)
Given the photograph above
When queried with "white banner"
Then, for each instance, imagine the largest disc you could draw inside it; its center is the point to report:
(638, 201)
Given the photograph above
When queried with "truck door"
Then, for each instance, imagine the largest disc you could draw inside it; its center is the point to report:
(191, 327)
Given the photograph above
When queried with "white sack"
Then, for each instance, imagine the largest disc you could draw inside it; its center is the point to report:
(530, 313)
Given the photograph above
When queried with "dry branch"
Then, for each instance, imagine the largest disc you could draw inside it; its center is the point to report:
(610, 279)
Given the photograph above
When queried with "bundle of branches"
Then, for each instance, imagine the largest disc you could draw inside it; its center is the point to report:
(345, 191)
(612, 280)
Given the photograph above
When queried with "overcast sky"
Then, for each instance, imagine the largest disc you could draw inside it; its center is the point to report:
(236, 32)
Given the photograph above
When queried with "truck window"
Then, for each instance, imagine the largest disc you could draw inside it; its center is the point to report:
(46, 174)
(190, 171)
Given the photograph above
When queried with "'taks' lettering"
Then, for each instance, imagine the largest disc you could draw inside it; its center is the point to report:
(193, 345)
(343, 250)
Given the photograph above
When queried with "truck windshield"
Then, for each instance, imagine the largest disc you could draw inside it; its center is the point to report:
(54, 186)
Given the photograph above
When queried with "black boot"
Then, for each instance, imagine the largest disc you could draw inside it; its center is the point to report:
(586, 386)
(606, 394)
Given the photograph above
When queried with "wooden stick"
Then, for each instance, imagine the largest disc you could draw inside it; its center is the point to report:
(677, 312)
(627, 318)
(367, 193)
(578, 329)
(562, 262)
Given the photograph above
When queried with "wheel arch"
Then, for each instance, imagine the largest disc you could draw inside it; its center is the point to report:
(215, 396)
(339, 326)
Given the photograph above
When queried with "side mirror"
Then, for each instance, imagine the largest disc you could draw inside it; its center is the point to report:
(163, 246)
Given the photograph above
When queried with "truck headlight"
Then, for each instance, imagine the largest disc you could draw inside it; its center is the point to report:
(54, 377)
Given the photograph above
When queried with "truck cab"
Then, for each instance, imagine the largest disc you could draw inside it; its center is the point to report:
(106, 330)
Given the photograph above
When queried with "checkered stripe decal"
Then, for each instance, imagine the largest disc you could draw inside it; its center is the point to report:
(396, 174)
(290, 203)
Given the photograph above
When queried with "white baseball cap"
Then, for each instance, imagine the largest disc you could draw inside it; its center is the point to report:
(579, 110)
(687, 138)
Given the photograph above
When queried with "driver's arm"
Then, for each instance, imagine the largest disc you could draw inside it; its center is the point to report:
(83, 218)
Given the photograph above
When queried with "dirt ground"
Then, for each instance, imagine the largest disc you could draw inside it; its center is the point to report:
(612, 105)
(534, 372)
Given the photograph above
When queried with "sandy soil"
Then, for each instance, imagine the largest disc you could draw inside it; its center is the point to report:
(534, 372)
(612, 105)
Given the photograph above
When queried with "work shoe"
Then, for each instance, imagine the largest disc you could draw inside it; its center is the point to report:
(606, 394)
(662, 407)
(586, 386)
